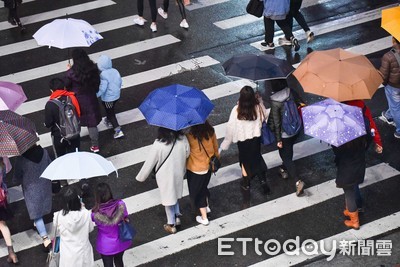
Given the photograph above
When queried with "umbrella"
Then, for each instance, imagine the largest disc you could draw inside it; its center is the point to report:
(65, 33)
(17, 133)
(176, 107)
(11, 96)
(338, 74)
(391, 21)
(257, 67)
(333, 122)
(78, 165)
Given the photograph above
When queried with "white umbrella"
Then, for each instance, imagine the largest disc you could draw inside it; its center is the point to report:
(78, 165)
(65, 33)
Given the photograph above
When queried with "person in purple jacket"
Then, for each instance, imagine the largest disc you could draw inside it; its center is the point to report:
(106, 214)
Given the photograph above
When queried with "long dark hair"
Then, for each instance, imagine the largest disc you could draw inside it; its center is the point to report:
(247, 104)
(202, 131)
(84, 69)
(168, 136)
(102, 194)
(71, 201)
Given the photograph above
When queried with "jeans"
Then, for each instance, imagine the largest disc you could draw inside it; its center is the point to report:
(172, 212)
(94, 135)
(40, 227)
(393, 99)
(350, 198)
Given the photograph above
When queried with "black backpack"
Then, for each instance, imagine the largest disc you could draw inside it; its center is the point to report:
(69, 124)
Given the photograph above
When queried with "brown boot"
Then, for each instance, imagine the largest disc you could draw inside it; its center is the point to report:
(354, 222)
(346, 212)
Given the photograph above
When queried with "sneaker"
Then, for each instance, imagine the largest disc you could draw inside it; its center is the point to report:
(386, 119)
(295, 44)
(299, 187)
(153, 27)
(170, 229)
(208, 210)
(163, 14)
(184, 24)
(107, 123)
(396, 135)
(12, 21)
(94, 149)
(202, 221)
(139, 21)
(118, 134)
(268, 46)
(283, 173)
(310, 36)
(284, 41)
(177, 221)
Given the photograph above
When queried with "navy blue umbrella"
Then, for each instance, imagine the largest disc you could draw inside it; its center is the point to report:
(257, 67)
(176, 107)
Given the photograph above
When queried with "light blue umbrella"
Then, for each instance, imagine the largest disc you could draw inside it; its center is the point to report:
(176, 107)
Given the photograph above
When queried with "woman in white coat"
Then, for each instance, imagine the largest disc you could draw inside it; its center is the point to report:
(74, 224)
(168, 155)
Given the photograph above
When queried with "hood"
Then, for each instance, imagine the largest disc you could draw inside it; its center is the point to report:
(104, 63)
(74, 221)
(109, 207)
(281, 95)
(34, 154)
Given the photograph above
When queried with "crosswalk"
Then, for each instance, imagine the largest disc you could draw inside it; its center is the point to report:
(173, 55)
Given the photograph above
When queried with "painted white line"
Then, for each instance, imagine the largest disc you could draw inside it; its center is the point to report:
(24, 2)
(32, 44)
(308, 3)
(204, 3)
(252, 216)
(113, 53)
(367, 231)
(59, 13)
(331, 26)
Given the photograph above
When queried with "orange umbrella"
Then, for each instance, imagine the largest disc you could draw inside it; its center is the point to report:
(338, 74)
(391, 21)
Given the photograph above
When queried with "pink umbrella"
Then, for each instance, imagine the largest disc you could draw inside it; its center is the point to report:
(11, 96)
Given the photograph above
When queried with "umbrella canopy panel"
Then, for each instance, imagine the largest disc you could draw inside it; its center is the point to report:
(333, 122)
(257, 67)
(391, 21)
(338, 74)
(11, 96)
(176, 107)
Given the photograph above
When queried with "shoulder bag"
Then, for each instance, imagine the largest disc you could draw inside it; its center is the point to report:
(154, 171)
(256, 8)
(267, 137)
(214, 163)
(53, 258)
(126, 232)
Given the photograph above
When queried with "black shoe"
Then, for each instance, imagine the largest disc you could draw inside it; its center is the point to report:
(268, 46)
(245, 183)
(283, 173)
(295, 44)
(12, 21)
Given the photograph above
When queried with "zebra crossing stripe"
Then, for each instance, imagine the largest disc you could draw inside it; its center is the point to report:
(252, 216)
(204, 3)
(367, 231)
(59, 13)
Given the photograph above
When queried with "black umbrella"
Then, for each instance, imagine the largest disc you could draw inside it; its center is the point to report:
(257, 67)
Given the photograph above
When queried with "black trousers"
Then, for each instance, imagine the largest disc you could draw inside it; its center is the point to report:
(198, 188)
(295, 13)
(283, 24)
(286, 154)
(64, 147)
(110, 113)
(12, 14)
(180, 5)
(153, 9)
(110, 260)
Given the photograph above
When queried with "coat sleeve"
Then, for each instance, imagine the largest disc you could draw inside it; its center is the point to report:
(215, 145)
(149, 164)
(103, 86)
(230, 129)
(49, 115)
(385, 68)
(18, 173)
(377, 136)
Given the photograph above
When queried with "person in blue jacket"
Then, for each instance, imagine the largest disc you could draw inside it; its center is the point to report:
(109, 92)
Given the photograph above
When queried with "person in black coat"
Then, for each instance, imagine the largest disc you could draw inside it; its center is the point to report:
(12, 12)
(350, 162)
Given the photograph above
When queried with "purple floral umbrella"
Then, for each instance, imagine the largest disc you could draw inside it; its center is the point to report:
(11, 96)
(333, 122)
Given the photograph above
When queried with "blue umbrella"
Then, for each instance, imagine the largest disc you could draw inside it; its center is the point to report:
(333, 122)
(176, 107)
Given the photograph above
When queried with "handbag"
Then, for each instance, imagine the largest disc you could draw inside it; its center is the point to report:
(267, 137)
(126, 232)
(154, 171)
(53, 258)
(214, 163)
(255, 8)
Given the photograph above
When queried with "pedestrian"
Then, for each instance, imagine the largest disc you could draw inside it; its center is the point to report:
(61, 146)
(294, 13)
(37, 191)
(153, 10)
(5, 215)
(107, 213)
(109, 92)
(390, 70)
(203, 145)
(74, 224)
(163, 11)
(284, 141)
(350, 163)
(168, 157)
(244, 128)
(277, 10)
(83, 78)
(13, 17)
